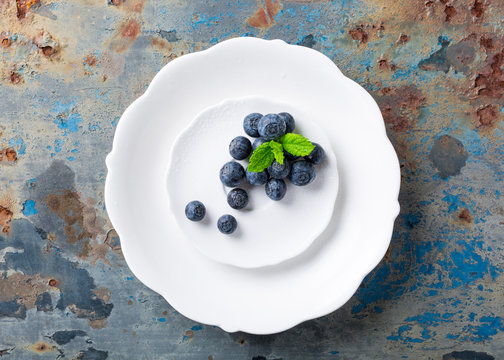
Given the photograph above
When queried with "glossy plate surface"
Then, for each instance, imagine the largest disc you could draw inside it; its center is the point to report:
(274, 298)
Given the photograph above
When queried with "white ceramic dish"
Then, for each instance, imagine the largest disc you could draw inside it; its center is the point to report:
(274, 298)
(268, 232)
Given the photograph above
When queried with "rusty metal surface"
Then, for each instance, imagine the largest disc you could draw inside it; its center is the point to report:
(68, 69)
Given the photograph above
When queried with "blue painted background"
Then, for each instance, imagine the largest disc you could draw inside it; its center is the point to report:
(68, 69)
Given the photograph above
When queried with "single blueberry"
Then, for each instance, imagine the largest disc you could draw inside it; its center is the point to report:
(237, 198)
(302, 173)
(290, 124)
(258, 142)
(240, 147)
(278, 171)
(250, 124)
(317, 155)
(195, 210)
(257, 178)
(271, 127)
(232, 174)
(227, 224)
(276, 189)
(289, 156)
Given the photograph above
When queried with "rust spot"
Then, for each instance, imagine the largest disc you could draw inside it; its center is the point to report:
(24, 5)
(444, 2)
(115, 2)
(91, 60)
(67, 205)
(130, 302)
(98, 323)
(130, 29)
(358, 34)
(490, 82)
(264, 17)
(429, 3)
(128, 32)
(401, 106)
(5, 219)
(165, 312)
(403, 39)
(486, 42)
(241, 342)
(478, 8)
(103, 293)
(383, 64)
(15, 77)
(53, 282)
(189, 334)
(210, 357)
(10, 154)
(41, 347)
(487, 115)
(465, 216)
(450, 12)
(6, 42)
(47, 50)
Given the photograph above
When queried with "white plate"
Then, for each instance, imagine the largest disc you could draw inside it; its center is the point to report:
(268, 232)
(274, 298)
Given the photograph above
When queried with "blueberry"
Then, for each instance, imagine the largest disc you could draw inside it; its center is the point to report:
(289, 156)
(250, 124)
(317, 155)
(232, 174)
(271, 127)
(276, 189)
(257, 178)
(227, 224)
(302, 173)
(195, 210)
(240, 147)
(278, 171)
(237, 198)
(290, 124)
(258, 142)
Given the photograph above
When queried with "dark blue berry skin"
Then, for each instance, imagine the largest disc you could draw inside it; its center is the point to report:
(317, 155)
(271, 127)
(250, 124)
(237, 198)
(290, 124)
(289, 156)
(227, 224)
(240, 147)
(302, 173)
(276, 189)
(277, 171)
(258, 142)
(255, 178)
(232, 174)
(195, 210)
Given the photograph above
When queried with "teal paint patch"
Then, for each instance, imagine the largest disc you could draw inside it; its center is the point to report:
(29, 208)
(67, 118)
(18, 144)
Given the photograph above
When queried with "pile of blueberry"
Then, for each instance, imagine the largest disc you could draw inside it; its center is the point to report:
(299, 170)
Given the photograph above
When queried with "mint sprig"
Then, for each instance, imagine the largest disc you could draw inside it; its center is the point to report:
(296, 144)
(261, 158)
(264, 155)
(277, 150)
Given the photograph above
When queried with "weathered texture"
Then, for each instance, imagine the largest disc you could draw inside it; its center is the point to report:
(68, 69)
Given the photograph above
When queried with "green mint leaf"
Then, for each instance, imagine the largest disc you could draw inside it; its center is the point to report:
(277, 149)
(296, 144)
(261, 158)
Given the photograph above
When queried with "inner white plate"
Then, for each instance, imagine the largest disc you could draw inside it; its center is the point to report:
(274, 298)
(268, 232)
